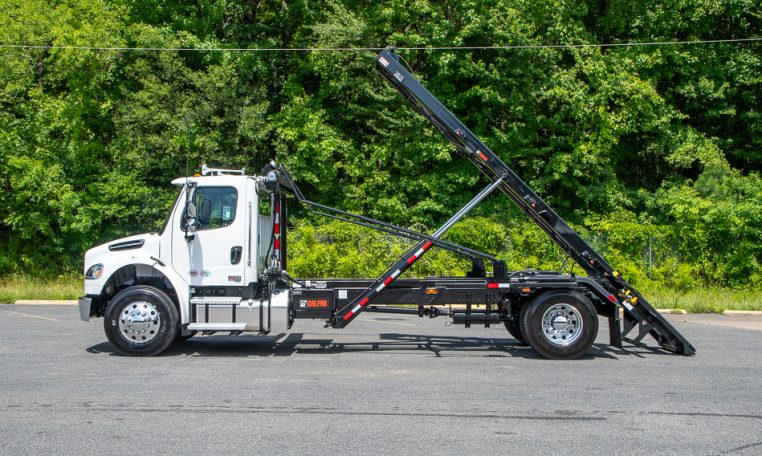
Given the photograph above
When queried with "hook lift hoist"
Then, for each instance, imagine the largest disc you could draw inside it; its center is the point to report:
(219, 265)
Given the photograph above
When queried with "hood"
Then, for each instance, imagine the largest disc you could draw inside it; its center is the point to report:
(128, 245)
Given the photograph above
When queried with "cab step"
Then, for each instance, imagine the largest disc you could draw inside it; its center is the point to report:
(233, 327)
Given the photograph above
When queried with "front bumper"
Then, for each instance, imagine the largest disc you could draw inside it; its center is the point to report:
(85, 306)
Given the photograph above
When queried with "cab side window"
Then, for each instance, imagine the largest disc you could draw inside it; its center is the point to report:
(215, 207)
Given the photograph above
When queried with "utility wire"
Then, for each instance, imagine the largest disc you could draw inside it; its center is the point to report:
(375, 49)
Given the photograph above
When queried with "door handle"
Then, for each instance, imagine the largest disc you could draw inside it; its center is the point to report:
(235, 254)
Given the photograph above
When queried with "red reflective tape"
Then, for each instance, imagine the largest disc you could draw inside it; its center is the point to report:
(364, 301)
(411, 260)
(612, 298)
(493, 285)
(277, 244)
(276, 224)
(388, 280)
(427, 245)
(348, 315)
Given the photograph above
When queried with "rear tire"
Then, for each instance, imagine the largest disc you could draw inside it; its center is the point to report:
(560, 325)
(141, 321)
(514, 329)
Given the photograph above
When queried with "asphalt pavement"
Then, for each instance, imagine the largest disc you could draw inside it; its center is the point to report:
(386, 384)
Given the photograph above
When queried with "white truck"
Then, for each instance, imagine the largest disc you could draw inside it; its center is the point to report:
(214, 241)
(219, 264)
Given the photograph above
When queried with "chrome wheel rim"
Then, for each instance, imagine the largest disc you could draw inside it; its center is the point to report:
(139, 322)
(562, 324)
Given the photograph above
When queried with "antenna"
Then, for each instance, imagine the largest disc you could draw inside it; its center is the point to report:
(187, 152)
(187, 166)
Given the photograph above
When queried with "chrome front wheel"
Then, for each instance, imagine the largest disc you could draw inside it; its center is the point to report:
(141, 321)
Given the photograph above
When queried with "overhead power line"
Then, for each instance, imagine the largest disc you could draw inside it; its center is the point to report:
(375, 49)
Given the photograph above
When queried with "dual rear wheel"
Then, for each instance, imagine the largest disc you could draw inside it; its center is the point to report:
(557, 325)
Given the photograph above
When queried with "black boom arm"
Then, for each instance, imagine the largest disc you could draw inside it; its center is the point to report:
(638, 313)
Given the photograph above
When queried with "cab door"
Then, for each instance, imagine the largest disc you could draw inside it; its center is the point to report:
(215, 254)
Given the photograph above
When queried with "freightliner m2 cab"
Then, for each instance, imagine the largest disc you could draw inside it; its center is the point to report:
(219, 265)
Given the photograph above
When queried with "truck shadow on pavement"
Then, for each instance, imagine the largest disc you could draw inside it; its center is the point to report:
(299, 343)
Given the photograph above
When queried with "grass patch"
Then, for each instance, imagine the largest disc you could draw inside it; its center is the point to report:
(705, 300)
(16, 287)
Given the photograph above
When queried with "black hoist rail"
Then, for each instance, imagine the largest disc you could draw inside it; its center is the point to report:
(287, 182)
(638, 313)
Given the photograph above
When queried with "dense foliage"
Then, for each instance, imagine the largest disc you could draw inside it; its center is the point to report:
(653, 152)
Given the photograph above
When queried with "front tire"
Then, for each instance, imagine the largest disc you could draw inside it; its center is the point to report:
(180, 338)
(560, 325)
(141, 321)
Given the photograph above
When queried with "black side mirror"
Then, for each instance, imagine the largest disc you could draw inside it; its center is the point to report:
(191, 220)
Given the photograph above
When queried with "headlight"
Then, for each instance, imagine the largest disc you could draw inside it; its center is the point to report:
(94, 272)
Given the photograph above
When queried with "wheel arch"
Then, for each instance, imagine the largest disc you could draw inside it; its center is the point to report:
(549, 294)
(146, 272)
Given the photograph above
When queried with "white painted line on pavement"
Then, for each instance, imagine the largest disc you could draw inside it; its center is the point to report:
(45, 302)
(28, 315)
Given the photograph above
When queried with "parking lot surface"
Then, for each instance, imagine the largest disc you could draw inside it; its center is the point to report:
(384, 385)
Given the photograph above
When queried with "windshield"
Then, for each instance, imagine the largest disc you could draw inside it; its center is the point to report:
(169, 214)
(216, 207)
